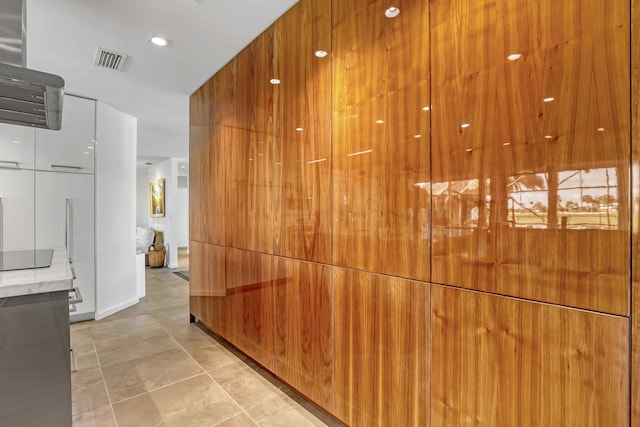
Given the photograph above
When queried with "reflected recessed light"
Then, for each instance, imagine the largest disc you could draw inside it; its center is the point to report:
(392, 12)
(548, 136)
(359, 152)
(86, 152)
(427, 108)
(158, 41)
(417, 136)
(274, 81)
(469, 150)
(250, 159)
(317, 161)
(506, 143)
(379, 121)
(90, 147)
(321, 53)
(514, 57)
(16, 142)
(299, 129)
(550, 99)
(600, 129)
(465, 125)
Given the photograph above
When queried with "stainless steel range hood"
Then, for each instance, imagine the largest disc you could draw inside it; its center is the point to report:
(27, 97)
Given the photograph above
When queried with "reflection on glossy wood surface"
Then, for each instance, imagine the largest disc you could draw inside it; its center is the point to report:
(302, 159)
(541, 141)
(199, 280)
(381, 137)
(304, 351)
(502, 362)
(381, 350)
(635, 224)
(198, 165)
(222, 140)
(250, 291)
(249, 161)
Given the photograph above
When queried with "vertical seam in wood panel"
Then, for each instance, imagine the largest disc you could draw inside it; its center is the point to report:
(630, 306)
(331, 220)
(430, 357)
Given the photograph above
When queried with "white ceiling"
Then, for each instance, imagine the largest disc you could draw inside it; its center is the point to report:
(62, 36)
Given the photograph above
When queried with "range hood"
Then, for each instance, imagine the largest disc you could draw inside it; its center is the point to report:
(27, 97)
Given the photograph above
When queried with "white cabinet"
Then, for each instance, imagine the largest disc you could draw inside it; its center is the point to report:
(64, 217)
(17, 146)
(71, 149)
(16, 209)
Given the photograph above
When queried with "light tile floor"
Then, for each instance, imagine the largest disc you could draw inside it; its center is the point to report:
(147, 366)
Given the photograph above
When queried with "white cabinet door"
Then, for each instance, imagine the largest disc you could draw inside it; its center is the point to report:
(70, 149)
(16, 209)
(64, 209)
(17, 147)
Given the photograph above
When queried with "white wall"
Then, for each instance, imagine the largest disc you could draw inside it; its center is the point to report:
(183, 213)
(169, 224)
(115, 210)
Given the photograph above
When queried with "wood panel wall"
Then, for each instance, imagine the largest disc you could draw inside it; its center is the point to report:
(399, 229)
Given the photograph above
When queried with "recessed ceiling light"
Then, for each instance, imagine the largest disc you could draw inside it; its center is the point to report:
(299, 129)
(465, 125)
(427, 108)
(392, 12)
(158, 40)
(550, 99)
(321, 53)
(274, 81)
(599, 130)
(379, 121)
(183, 167)
(514, 57)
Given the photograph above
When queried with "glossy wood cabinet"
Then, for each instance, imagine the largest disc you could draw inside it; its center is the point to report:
(302, 143)
(249, 157)
(199, 165)
(381, 353)
(505, 362)
(435, 223)
(303, 316)
(530, 128)
(380, 138)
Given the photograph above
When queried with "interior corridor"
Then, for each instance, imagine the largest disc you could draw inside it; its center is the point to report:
(147, 366)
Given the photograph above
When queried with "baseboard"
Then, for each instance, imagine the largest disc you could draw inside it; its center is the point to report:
(73, 318)
(173, 266)
(113, 310)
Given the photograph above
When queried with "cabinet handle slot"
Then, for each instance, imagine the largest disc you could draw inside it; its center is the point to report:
(67, 167)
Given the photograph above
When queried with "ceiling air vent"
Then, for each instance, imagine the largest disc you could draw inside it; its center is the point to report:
(109, 59)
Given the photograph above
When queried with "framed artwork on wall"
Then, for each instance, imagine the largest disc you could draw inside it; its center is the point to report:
(156, 197)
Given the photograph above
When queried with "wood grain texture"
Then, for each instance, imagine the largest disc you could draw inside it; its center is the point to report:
(515, 161)
(249, 161)
(199, 164)
(303, 318)
(249, 278)
(498, 361)
(380, 73)
(222, 139)
(381, 350)
(302, 149)
(635, 223)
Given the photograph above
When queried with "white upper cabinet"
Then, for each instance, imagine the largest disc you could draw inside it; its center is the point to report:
(17, 146)
(70, 149)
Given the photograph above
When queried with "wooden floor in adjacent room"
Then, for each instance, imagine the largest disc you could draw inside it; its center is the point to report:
(148, 366)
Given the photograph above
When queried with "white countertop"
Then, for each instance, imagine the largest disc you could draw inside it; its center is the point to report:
(57, 277)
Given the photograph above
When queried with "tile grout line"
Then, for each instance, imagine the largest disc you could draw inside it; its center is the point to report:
(212, 379)
(158, 388)
(104, 382)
